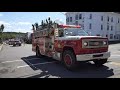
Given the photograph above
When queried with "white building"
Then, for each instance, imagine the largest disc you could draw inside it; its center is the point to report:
(105, 24)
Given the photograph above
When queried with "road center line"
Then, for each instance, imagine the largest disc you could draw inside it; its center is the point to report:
(35, 64)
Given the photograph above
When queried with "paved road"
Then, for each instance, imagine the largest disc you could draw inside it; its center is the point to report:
(20, 62)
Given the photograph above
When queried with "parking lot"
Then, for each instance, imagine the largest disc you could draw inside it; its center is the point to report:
(21, 62)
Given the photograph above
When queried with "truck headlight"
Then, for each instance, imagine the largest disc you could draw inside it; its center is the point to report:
(105, 42)
(85, 43)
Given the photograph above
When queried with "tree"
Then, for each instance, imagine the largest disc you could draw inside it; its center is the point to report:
(1, 30)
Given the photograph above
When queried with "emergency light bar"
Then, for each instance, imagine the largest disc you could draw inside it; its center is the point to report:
(69, 26)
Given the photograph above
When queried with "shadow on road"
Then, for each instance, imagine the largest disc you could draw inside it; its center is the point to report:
(114, 42)
(85, 70)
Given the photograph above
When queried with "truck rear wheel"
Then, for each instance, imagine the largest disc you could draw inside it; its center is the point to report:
(69, 60)
(100, 62)
(38, 52)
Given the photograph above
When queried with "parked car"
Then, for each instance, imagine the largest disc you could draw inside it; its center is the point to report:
(17, 42)
(10, 42)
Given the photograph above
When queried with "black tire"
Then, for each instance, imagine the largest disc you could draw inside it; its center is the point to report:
(100, 62)
(38, 52)
(72, 58)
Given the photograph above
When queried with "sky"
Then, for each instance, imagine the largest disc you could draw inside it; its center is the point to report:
(22, 21)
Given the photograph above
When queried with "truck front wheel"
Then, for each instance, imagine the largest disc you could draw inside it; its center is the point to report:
(100, 62)
(69, 60)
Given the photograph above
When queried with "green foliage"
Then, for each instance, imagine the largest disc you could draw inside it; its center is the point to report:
(1, 31)
(10, 35)
(2, 28)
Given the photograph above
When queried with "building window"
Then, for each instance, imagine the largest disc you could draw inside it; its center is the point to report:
(101, 27)
(111, 36)
(90, 26)
(80, 16)
(107, 27)
(83, 26)
(111, 28)
(90, 16)
(106, 35)
(114, 36)
(76, 22)
(70, 19)
(108, 18)
(112, 19)
(118, 20)
(97, 34)
(117, 37)
(76, 17)
(101, 18)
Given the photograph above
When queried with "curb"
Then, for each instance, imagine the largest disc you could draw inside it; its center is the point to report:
(1, 47)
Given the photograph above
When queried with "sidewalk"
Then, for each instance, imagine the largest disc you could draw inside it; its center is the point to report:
(1, 46)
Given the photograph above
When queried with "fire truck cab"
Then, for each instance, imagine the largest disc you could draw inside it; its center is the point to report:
(70, 45)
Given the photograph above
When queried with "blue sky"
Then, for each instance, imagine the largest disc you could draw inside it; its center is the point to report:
(22, 21)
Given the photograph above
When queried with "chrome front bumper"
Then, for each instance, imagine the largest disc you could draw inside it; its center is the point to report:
(86, 57)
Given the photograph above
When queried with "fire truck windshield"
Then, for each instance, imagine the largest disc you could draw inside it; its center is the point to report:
(75, 32)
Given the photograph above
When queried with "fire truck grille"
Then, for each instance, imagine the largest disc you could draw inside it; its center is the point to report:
(95, 43)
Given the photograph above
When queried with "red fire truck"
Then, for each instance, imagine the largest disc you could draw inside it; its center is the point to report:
(70, 45)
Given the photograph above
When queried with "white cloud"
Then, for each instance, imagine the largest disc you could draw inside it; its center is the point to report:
(23, 23)
(22, 30)
(59, 21)
(17, 26)
(1, 14)
(48, 16)
(5, 23)
(9, 26)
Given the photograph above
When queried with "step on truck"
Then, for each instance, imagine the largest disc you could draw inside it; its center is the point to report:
(69, 44)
